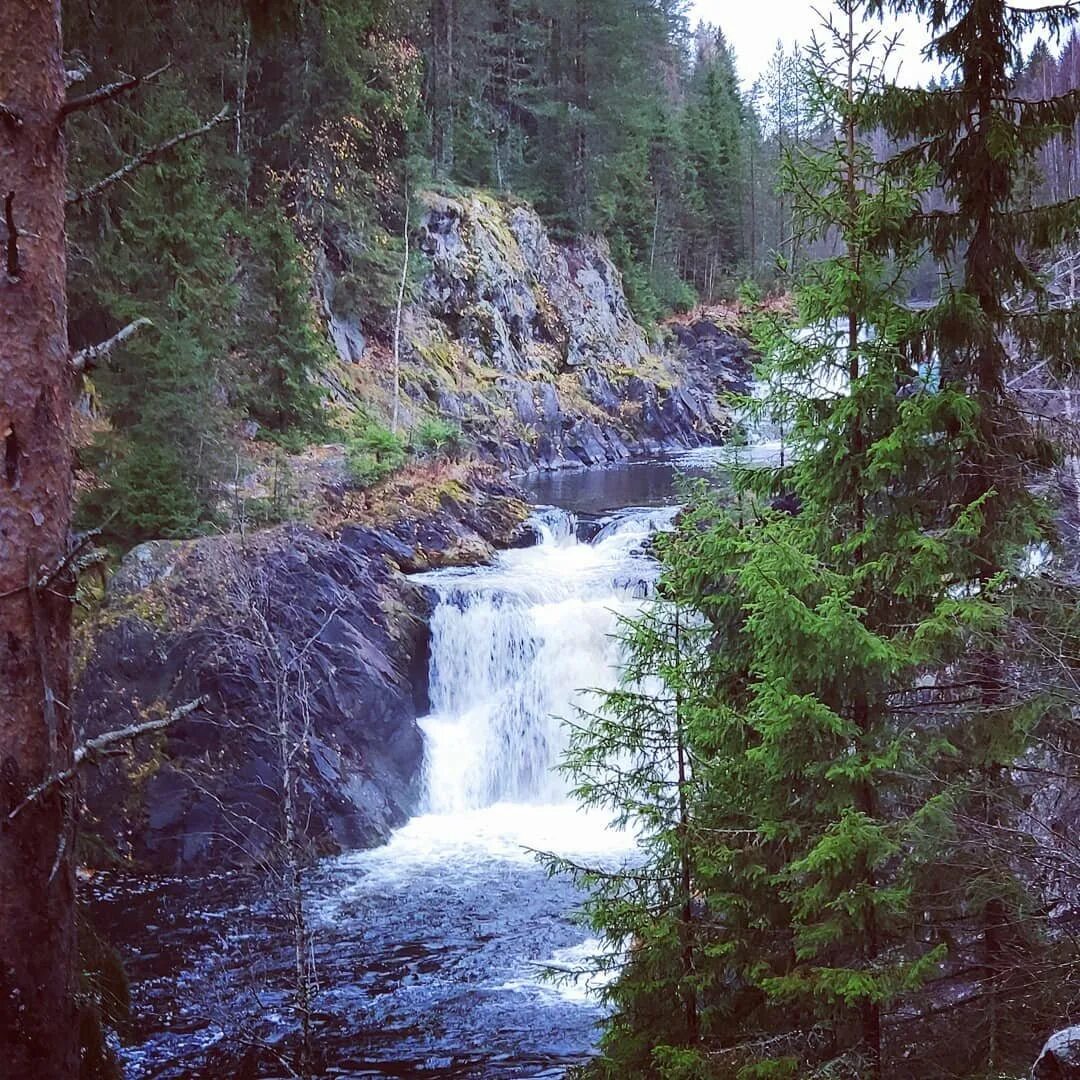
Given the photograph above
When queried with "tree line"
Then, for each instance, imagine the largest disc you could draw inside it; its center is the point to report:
(230, 250)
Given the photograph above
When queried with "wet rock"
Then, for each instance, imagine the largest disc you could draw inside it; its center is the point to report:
(348, 337)
(1060, 1057)
(206, 791)
(532, 344)
(586, 440)
(144, 565)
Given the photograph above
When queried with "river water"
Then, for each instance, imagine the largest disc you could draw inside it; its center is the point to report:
(430, 951)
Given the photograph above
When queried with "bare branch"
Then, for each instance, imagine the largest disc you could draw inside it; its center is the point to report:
(12, 237)
(86, 359)
(107, 93)
(103, 745)
(136, 163)
(10, 117)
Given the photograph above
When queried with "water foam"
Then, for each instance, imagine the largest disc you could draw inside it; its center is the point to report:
(518, 649)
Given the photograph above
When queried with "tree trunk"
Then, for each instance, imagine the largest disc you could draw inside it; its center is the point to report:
(686, 925)
(397, 315)
(37, 1007)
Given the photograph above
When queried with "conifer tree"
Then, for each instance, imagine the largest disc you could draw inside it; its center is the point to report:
(631, 757)
(165, 455)
(840, 758)
(982, 137)
(279, 336)
(716, 139)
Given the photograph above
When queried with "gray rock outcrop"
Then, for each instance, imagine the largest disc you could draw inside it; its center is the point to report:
(531, 347)
(319, 631)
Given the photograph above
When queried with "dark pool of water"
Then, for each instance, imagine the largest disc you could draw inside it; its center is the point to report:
(652, 482)
(428, 968)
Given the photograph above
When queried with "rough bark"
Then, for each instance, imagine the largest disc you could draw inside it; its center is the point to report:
(37, 1005)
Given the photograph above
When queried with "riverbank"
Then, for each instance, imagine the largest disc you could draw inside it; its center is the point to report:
(220, 621)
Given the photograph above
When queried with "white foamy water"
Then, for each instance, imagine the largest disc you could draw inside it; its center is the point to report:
(518, 649)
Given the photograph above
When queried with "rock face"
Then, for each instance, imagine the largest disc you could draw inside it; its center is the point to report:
(530, 346)
(319, 635)
(1060, 1057)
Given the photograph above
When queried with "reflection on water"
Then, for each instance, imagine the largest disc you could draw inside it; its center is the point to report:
(649, 483)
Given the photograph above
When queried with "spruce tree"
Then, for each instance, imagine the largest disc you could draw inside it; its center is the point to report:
(845, 836)
(983, 137)
(631, 758)
(283, 347)
(165, 455)
(716, 140)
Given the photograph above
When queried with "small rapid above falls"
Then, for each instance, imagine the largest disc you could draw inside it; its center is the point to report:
(516, 649)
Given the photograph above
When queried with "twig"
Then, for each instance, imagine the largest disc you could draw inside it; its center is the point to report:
(76, 197)
(107, 93)
(102, 746)
(86, 359)
(12, 237)
(10, 117)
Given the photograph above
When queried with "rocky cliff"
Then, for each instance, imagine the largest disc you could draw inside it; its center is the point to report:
(297, 640)
(308, 642)
(529, 345)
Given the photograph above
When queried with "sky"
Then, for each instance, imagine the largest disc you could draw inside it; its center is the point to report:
(753, 27)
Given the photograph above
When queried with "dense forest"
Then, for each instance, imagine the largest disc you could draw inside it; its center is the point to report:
(843, 736)
(610, 118)
(613, 119)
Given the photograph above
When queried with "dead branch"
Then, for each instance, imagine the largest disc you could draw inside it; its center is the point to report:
(107, 93)
(102, 746)
(86, 359)
(137, 162)
(12, 237)
(10, 117)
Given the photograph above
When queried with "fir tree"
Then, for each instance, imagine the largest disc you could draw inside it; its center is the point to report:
(982, 139)
(631, 757)
(281, 339)
(840, 757)
(165, 455)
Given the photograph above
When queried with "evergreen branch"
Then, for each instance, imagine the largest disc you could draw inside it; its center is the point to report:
(102, 746)
(107, 93)
(87, 359)
(147, 156)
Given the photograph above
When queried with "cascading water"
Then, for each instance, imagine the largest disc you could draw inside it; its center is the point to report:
(430, 949)
(516, 651)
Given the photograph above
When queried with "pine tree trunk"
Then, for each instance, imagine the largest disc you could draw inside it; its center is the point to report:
(37, 885)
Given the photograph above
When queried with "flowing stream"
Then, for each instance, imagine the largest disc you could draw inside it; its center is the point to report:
(430, 950)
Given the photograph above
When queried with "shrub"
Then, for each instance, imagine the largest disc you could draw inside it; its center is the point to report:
(436, 436)
(372, 453)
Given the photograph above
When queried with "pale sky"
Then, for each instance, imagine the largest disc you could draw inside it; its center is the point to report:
(753, 27)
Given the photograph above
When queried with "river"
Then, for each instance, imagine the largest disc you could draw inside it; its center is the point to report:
(430, 951)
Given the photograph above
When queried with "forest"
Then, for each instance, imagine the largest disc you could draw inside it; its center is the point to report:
(526, 553)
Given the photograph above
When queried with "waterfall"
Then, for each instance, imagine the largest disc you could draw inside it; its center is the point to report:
(516, 650)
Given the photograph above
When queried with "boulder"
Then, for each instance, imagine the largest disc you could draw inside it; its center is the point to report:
(207, 791)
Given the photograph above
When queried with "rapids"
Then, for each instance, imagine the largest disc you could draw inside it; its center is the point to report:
(430, 950)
